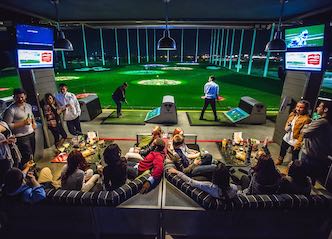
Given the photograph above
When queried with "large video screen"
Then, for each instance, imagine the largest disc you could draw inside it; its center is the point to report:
(304, 61)
(34, 58)
(309, 36)
(34, 35)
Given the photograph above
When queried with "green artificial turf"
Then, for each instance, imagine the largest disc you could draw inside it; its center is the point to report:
(272, 115)
(187, 94)
(194, 120)
(8, 81)
(128, 118)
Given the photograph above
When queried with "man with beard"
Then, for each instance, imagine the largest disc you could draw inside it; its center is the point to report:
(22, 123)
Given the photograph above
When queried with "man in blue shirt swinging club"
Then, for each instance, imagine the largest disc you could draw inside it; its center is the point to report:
(211, 93)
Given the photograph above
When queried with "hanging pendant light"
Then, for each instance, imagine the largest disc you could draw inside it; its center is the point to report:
(60, 43)
(277, 44)
(166, 42)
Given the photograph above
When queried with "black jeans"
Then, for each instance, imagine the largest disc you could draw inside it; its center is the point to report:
(57, 131)
(118, 107)
(4, 167)
(74, 126)
(315, 168)
(283, 150)
(211, 102)
(27, 146)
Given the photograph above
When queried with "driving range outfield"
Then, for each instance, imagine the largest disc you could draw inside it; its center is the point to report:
(187, 93)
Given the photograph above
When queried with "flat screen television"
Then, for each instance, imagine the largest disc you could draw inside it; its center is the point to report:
(34, 58)
(304, 61)
(302, 37)
(34, 35)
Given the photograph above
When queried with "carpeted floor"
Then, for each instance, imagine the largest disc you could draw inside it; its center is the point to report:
(194, 120)
(128, 118)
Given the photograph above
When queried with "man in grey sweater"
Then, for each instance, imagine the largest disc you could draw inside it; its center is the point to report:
(317, 143)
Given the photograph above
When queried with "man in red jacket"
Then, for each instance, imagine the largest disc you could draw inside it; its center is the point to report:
(154, 161)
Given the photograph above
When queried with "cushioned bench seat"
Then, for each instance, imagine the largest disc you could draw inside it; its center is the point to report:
(274, 201)
(102, 198)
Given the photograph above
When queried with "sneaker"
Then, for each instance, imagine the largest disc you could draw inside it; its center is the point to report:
(201, 118)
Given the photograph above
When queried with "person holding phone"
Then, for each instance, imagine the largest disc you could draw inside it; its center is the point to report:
(22, 123)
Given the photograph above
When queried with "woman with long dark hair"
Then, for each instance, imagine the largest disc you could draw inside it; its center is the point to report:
(76, 175)
(219, 187)
(115, 171)
(296, 181)
(265, 178)
(52, 114)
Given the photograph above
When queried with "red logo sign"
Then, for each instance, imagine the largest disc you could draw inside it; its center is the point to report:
(313, 59)
(46, 57)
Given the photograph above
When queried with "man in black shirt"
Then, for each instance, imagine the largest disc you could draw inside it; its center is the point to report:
(119, 96)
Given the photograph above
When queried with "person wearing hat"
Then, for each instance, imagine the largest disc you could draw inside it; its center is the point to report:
(23, 185)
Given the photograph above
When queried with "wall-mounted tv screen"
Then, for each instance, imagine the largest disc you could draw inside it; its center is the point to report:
(34, 35)
(34, 58)
(309, 36)
(304, 61)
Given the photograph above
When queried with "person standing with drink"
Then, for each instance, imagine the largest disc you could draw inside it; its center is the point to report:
(22, 123)
(72, 110)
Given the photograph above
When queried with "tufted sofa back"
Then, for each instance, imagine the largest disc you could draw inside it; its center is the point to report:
(282, 201)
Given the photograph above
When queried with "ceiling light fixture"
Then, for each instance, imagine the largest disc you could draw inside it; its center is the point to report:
(166, 42)
(60, 43)
(277, 44)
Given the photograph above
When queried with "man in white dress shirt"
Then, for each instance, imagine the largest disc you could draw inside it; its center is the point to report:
(72, 113)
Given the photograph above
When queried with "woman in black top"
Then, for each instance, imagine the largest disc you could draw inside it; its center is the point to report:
(115, 172)
(265, 178)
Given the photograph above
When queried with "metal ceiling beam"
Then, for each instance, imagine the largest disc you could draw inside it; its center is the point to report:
(172, 24)
(312, 13)
(25, 12)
